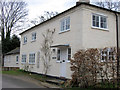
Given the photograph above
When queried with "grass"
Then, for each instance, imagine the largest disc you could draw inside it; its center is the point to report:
(21, 72)
(39, 77)
(44, 78)
(16, 72)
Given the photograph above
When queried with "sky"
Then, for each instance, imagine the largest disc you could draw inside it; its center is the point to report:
(37, 7)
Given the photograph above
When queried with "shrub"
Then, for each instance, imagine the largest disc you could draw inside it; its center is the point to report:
(89, 68)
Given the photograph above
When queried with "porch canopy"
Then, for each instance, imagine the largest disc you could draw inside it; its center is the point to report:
(60, 46)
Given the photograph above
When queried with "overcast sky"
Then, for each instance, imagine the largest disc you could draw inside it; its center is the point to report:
(37, 7)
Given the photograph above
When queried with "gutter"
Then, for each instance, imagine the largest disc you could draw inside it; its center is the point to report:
(117, 41)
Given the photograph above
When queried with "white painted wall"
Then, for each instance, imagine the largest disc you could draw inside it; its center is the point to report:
(10, 60)
(80, 36)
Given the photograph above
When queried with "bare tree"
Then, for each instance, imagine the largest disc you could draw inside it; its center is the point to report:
(12, 13)
(109, 4)
(46, 50)
(47, 15)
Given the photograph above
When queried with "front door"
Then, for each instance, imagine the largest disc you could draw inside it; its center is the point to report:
(63, 59)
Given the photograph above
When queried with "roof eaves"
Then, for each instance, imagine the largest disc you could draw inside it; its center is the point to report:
(14, 51)
(67, 11)
(49, 19)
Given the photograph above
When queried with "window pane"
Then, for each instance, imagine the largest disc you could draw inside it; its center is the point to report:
(25, 39)
(69, 50)
(62, 26)
(58, 54)
(97, 24)
(103, 22)
(97, 18)
(95, 21)
(65, 24)
(33, 36)
(32, 58)
(69, 53)
(23, 58)
(16, 58)
(93, 17)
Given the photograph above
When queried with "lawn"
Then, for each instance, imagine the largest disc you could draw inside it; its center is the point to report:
(16, 72)
(44, 78)
(21, 73)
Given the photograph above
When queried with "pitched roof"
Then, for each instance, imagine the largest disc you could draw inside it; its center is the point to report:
(82, 3)
(14, 51)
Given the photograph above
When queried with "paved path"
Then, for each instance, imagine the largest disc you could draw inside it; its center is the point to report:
(11, 82)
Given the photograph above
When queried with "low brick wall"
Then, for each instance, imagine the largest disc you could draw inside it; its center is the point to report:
(9, 68)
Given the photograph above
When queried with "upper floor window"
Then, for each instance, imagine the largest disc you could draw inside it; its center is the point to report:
(23, 58)
(25, 40)
(32, 58)
(99, 21)
(65, 24)
(33, 36)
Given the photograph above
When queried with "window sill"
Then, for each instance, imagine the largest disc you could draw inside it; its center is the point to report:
(103, 29)
(31, 63)
(24, 43)
(64, 31)
(58, 61)
(68, 61)
(103, 61)
(33, 40)
(23, 62)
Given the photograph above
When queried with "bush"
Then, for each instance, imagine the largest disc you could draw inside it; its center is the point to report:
(88, 68)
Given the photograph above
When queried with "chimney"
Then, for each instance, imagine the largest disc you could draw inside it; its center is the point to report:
(82, 1)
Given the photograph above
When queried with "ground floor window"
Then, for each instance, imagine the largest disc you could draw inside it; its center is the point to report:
(32, 58)
(23, 58)
(17, 59)
(58, 54)
(107, 55)
(69, 53)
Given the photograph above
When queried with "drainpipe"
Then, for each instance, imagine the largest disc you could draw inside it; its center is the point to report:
(117, 40)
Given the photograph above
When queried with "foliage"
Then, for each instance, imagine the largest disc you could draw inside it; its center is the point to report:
(10, 44)
(26, 67)
(109, 4)
(47, 15)
(88, 68)
(12, 15)
(15, 42)
(46, 49)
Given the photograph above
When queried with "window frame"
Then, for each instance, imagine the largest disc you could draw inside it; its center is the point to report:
(100, 16)
(59, 55)
(107, 55)
(103, 55)
(24, 58)
(17, 59)
(34, 36)
(69, 54)
(32, 58)
(64, 24)
(24, 39)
